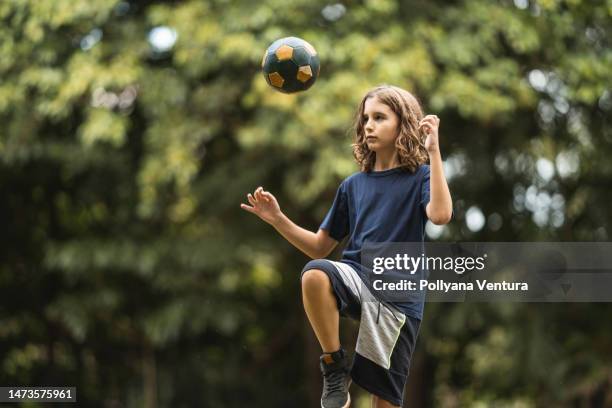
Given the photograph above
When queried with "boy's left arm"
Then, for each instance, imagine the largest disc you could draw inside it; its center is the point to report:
(440, 207)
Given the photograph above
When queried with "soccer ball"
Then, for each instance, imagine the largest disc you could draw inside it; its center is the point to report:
(290, 65)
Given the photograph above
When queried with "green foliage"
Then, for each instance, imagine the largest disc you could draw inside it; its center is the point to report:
(125, 257)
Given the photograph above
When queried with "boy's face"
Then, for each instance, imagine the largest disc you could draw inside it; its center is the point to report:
(380, 125)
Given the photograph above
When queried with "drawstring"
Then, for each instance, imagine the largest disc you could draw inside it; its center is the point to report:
(378, 314)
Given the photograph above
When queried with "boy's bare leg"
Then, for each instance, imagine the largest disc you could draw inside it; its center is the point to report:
(381, 403)
(321, 308)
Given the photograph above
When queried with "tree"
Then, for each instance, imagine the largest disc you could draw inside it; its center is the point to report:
(133, 130)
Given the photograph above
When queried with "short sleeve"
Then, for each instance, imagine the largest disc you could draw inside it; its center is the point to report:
(336, 221)
(425, 189)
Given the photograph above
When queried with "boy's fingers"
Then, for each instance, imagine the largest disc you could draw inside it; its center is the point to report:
(251, 199)
(429, 119)
(430, 125)
(247, 208)
(427, 129)
(268, 195)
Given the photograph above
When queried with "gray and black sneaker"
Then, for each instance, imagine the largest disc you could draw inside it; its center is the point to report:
(336, 380)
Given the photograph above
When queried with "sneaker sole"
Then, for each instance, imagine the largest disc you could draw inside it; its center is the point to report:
(348, 402)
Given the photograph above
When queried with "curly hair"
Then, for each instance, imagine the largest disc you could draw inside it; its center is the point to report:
(410, 143)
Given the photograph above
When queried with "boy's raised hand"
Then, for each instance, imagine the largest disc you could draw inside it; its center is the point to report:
(430, 124)
(264, 205)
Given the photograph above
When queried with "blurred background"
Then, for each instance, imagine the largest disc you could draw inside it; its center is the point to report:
(132, 130)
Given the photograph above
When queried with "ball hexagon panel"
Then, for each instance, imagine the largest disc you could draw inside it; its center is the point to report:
(301, 56)
(276, 80)
(304, 73)
(284, 52)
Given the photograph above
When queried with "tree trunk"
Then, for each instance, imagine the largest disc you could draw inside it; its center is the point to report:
(149, 375)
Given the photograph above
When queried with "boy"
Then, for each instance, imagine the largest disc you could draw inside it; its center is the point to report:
(389, 200)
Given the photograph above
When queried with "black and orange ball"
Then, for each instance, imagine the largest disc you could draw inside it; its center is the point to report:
(290, 65)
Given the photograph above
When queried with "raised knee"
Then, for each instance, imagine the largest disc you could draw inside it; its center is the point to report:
(381, 403)
(314, 279)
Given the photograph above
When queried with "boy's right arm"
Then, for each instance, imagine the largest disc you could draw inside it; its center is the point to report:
(264, 205)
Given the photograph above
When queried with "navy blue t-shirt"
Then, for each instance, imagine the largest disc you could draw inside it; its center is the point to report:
(380, 206)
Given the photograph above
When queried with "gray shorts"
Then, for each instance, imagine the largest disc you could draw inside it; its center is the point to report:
(386, 338)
